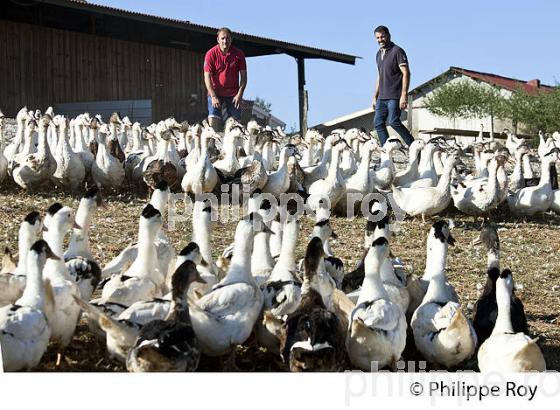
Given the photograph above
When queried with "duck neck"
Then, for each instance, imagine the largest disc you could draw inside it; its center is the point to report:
(28, 146)
(202, 232)
(43, 146)
(427, 158)
(79, 241)
(136, 139)
(25, 240)
(545, 173)
(55, 238)
(287, 260)
(372, 287)
(503, 299)
(261, 257)
(240, 266)
(33, 294)
(147, 254)
(80, 141)
(333, 166)
(436, 258)
(493, 258)
(102, 147)
(437, 289)
(363, 168)
(443, 185)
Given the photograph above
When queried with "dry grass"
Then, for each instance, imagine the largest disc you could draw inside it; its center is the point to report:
(530, 249)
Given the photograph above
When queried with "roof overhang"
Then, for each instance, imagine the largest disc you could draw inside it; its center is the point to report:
(132, 26)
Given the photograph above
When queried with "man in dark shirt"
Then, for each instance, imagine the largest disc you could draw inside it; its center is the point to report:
(391, 89)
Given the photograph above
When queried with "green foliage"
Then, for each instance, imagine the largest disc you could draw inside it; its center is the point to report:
(260, 102)
(464, 99)
(469, 99)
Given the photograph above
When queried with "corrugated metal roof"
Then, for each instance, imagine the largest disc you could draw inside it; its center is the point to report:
(281, 46)
(511, 84)
(504, 82)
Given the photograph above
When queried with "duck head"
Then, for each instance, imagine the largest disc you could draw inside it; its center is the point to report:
(488, 238)
(191, 252)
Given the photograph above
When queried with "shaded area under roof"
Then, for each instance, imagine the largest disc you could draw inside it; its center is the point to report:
(112, 22)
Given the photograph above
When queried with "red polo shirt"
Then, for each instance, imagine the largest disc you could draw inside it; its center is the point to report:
(224, 69)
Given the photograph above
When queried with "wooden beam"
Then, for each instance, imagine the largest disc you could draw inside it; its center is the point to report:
(302, 94)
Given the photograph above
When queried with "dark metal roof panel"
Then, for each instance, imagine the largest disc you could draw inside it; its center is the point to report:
(266, 45)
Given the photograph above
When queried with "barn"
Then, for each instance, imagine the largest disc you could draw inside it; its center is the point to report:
(78, 56)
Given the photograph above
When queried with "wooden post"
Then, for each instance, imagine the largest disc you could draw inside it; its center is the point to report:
(302, 96)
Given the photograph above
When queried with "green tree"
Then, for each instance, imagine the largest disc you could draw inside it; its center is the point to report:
(469, 99)
(261, 103)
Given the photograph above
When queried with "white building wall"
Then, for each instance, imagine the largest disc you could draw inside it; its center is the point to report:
(425, 120)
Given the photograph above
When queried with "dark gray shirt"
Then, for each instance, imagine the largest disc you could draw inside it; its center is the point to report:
(390, 75)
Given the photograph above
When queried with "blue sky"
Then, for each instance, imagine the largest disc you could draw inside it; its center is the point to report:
(513, 38)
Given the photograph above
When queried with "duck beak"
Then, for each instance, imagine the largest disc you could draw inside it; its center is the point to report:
(203, 262)
(200, 280)
(51, 255)
(76, 226)
(45, 229)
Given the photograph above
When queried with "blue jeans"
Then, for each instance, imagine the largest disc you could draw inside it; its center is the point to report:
(227, 109)
(390, 111)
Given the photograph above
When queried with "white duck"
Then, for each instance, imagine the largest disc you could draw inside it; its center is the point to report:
(278, 182)
(530, 200)
(201, 176)
(12, 284)
(331, 188)
(417, 287)
(513, 142)
(107, 171)
(160, 166)
(70, 171)
(164, 250)
(383, 176)
(481, 198)
(225, 317)
(442, 332)
(79, 260)
(14, 147)
(143, 279)
(24, 329)
(410, 173)
(282, 292)
(361, 182)
(427, 201)
(377, 326)
(64, 317)
(505, 351)
(35, 170)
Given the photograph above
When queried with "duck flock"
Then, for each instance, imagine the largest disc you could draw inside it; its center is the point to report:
(158, 308)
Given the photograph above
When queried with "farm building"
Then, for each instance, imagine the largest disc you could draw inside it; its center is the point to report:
(79, 56)
(419, 120)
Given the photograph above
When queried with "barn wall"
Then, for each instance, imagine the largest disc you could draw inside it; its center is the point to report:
(42, 66)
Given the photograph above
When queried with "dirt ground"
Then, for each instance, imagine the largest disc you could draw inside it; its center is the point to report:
(531, 249)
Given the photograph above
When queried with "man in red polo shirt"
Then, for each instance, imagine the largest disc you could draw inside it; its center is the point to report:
(225, 76)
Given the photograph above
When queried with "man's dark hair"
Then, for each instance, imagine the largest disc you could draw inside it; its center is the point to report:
(382, 29)
(224, 30)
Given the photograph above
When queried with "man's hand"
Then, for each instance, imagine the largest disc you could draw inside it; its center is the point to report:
(403, 103)
(215, 101)
(237, 101)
